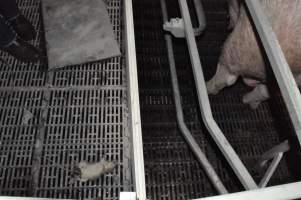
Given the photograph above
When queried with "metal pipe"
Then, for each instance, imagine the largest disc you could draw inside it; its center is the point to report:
(201, 17)
(280, 67)
(223, 144)
(135, 121)
(26, 198)
(217, 183)
(272, 168)
(270, 154)
(275, 154)
(280, 192)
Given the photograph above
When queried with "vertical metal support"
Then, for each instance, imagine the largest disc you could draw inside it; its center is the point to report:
(201, 17)
(131, 64)
(215, 180)
(280, 67)
(229, 153)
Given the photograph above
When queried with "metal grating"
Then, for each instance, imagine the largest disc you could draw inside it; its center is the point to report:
(171, 170)
(78, 113)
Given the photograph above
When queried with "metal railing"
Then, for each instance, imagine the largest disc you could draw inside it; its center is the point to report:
(289, 90)
(215, 180)
(280, 67)
(135, 120)
(287, 86)
(204, 104)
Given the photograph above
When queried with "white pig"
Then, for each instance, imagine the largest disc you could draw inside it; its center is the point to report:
(242, 56)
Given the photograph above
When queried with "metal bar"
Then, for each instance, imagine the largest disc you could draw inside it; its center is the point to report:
(201, 17)
(131, 64)
(281, 192)
(280, 67)
(24, 198)
(276, 153)
(270, 154)
(215, 180)
(229, 153)
(272, 168)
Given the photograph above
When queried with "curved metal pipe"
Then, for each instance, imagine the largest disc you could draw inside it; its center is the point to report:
(217, 183)
(216, 133)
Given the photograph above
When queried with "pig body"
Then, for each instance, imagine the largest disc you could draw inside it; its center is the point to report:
(234, 8)
(242, 55)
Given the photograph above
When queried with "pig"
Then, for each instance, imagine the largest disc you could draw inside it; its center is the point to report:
(241, 54)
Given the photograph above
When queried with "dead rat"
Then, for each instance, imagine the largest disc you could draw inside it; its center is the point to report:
(85, 171)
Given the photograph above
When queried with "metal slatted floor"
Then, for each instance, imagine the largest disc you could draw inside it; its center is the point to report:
(49, 122)
(172, 172)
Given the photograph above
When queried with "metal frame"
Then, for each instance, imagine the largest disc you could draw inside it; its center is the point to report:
(134, 105)
(219, 138)
(280, 192)
(201, 17)
(284, 78)
(280, 67)
(292, 98)
(214, 178)
(269, 173)
(134, 122)
(289, 91)
(216, 133)
(275, 154)
(23, 198)
(176, 25)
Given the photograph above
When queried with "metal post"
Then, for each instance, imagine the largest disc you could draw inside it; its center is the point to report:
(131, 64)
(201, 17)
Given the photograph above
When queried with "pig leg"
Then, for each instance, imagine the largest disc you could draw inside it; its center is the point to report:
(221, 79)
(254, 98)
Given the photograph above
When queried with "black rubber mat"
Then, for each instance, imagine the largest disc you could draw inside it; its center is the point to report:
(172, 172)
(49, 122)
